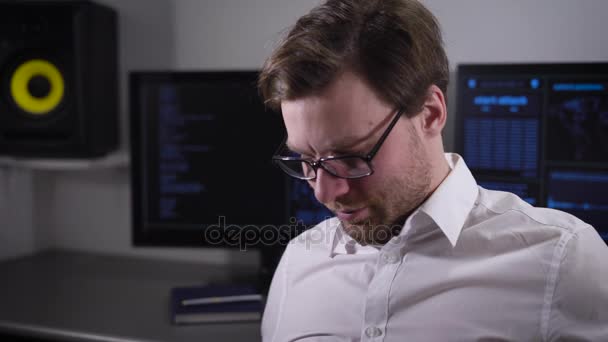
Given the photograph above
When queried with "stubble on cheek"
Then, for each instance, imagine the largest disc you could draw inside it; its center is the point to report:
(394, 200)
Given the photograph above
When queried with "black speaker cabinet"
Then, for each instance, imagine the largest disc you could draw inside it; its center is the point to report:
(58, 79)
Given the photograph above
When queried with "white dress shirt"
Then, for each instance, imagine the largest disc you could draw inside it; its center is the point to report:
(470, 264)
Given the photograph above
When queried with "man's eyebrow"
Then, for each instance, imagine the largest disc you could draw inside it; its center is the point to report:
(292, 148)
(353, 143)
(342, 148)
(350, 143)
(347, 147)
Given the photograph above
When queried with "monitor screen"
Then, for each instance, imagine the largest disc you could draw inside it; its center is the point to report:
(303, 207)
(539, 131)
(201, 146)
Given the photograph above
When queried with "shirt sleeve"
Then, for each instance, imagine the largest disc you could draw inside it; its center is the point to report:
(579, 310)
(276, 299)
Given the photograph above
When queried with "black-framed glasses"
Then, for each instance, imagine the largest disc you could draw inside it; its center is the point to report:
(348, 166)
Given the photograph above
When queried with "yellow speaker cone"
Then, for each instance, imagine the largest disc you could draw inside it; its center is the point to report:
(35, 71)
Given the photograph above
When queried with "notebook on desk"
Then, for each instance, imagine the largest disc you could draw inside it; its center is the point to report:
(215, 303)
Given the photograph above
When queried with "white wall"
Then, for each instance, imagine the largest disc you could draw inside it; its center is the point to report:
(90, 210)
(214, 34)
(523, 30)
(518, 31)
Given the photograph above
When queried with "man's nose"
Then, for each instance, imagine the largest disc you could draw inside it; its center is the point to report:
(328, 187)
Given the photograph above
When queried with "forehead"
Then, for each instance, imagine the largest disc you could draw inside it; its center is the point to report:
(337, 117)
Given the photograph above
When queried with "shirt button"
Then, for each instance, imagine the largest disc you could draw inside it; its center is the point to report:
(373, 332)
(396, 240)
(390, 258)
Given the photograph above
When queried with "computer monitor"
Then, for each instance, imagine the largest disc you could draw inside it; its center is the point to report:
(539, 131)
(303, 207)
(201, 148)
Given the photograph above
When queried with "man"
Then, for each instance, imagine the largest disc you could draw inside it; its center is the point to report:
(417, 251)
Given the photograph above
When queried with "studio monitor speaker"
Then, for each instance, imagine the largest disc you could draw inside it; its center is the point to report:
(58, 79)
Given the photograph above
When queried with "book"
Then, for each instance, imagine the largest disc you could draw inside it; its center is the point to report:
(215, 303)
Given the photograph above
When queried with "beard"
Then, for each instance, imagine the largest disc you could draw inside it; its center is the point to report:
(392, 201)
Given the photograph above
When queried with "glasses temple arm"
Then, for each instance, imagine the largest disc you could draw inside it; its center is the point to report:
(388, 130)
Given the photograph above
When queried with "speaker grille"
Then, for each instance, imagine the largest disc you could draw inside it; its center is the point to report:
(58, 79)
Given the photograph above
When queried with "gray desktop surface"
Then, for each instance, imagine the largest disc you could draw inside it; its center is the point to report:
(75, 296)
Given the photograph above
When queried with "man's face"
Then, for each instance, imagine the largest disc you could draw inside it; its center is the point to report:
(348, 118)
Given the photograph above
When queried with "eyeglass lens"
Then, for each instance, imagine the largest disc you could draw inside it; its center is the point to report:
(347, 167)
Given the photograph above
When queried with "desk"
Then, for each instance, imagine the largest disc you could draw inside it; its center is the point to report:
(72, 296)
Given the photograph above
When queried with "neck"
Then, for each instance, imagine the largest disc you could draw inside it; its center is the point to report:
(441, 169)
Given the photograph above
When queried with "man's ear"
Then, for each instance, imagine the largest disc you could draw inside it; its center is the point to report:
(434, 113)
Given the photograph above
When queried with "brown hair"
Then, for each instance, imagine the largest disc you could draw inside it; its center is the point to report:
(395, 45)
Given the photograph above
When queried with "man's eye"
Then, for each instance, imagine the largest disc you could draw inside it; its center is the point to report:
(298, 155)
(348, 153)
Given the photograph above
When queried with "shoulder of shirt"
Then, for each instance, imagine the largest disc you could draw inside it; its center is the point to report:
(501, 203)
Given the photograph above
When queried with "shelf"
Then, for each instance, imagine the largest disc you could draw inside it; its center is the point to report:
(116, 160)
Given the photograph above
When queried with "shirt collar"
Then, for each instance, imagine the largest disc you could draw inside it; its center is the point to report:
(344, 244)
(451, 203)
(448, 207)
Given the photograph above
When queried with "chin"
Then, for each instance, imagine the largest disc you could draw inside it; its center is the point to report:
(366, 232)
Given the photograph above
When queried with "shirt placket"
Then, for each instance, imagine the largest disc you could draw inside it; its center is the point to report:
(376, 302)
